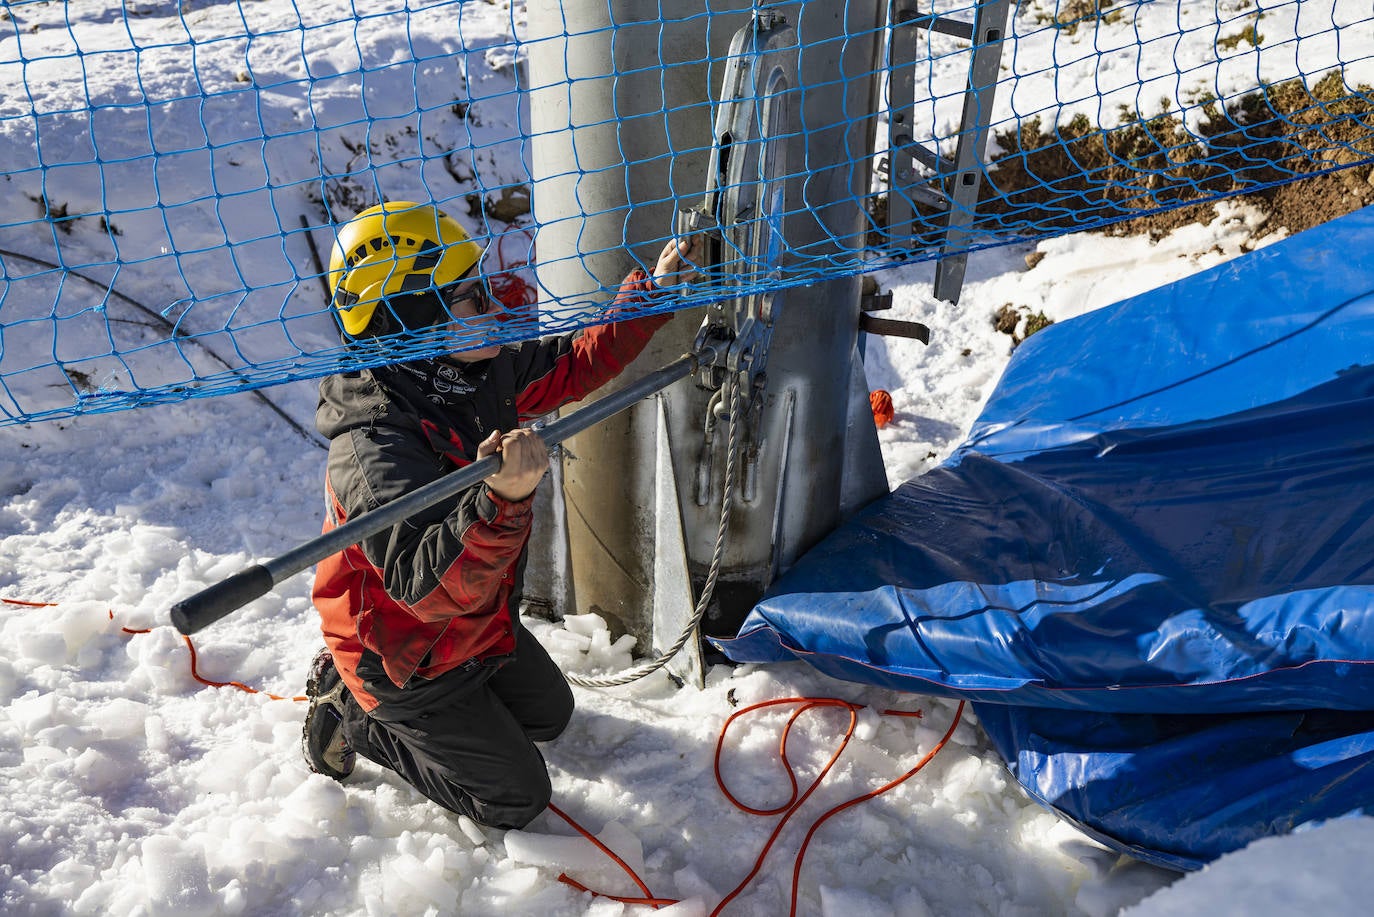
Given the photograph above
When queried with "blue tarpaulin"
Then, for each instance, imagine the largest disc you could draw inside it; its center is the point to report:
(1151, 564)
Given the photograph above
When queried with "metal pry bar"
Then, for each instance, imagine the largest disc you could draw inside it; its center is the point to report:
(219, 600)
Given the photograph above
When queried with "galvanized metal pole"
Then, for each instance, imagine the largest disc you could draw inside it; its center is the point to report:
(622, 130)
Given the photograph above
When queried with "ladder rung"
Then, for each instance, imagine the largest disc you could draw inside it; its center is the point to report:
(956, 27)
(923, 154)
(923, 191)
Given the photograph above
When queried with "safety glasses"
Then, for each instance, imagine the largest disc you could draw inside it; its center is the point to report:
(473, 294)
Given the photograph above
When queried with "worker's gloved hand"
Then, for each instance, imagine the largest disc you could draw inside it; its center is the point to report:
(524, 461)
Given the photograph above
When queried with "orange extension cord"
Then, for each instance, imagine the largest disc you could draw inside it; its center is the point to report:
(787, 809)
(195, 671)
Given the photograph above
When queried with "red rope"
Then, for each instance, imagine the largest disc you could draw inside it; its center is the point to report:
(794, 801)
(789, 808)
(195, 669)
(926, 759)
(230, 684)
(507, 285)
(648, 898)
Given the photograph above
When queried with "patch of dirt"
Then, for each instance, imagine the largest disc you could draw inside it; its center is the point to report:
(1019, 322)
(1140, 177)
(1078, 176)
(1296, 206)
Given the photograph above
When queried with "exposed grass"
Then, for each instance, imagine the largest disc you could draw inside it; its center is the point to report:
(1250, 35)
(1068, 15)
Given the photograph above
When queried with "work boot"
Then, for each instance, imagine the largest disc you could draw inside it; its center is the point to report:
(325, 749)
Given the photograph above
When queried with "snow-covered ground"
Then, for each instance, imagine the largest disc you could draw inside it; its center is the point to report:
(131, 788)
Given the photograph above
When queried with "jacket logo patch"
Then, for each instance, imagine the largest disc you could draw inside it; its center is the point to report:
(448, 380)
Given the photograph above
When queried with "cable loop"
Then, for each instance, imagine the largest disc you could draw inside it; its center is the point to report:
(795, 801)
(708, 588)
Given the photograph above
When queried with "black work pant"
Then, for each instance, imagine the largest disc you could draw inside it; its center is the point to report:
(466, 739)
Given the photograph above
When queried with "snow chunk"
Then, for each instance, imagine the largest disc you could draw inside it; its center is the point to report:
(585, 625)
(41, 647)
(411, 885)
(37, 711)
(516, 882)
(8, 681)
(121, 718)
(177, 881)
(588, 634)
(1320, 870)
(690, 884)
(576, 855)
(846, 902)
(866, 724)
(471, 831)
(99, 772)
(319, 804)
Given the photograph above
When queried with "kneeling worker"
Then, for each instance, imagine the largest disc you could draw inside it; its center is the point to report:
(427, 669)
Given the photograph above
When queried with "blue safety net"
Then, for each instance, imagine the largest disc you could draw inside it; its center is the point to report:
(174, 172)
(1151, 564)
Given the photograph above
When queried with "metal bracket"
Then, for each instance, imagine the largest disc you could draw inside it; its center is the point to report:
(702, 223)
(745, 203)
(742, 219)
(712, 334)
(893, 328)
(871, 298)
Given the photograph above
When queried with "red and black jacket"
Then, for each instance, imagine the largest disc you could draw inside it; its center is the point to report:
(443, 587)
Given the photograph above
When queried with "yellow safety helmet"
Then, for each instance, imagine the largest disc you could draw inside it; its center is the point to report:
(400, 254)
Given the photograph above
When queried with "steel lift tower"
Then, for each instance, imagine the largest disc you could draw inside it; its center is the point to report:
(626, 148)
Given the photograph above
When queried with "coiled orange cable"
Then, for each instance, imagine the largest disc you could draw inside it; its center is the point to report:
(787, 809)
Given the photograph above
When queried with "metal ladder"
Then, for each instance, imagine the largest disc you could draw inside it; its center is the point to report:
(956, 182)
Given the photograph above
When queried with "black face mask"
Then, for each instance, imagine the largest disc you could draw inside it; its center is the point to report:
(407, 312)
(427, 308)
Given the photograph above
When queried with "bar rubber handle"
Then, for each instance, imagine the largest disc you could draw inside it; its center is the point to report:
(215, 602)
